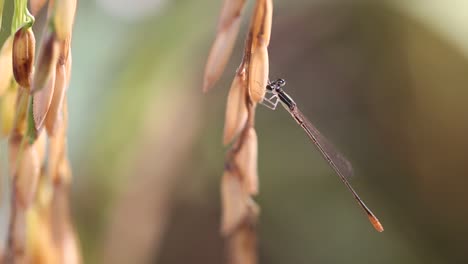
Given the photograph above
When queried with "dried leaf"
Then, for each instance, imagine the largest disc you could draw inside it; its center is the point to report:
(219, 54)
(234, 201)
(64, 16)
(258, 74)
(46, 62)
(56, 104)
(42, 100)
(246, 161)
(6, 66)
(24, 46)
(236, 109)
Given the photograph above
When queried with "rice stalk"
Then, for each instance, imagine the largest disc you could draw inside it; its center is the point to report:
(240, 178)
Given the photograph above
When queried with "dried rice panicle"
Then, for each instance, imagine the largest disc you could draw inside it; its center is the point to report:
(240, 179)
(33, 95)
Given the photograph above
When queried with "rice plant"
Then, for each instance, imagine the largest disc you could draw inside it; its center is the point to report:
(34, 120)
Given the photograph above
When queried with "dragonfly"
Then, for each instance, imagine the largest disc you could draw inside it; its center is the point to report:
(335, 159)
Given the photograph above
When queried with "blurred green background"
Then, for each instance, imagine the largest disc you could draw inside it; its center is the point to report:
(386, 81)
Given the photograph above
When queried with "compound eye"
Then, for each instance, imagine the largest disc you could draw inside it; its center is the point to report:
(281, 82)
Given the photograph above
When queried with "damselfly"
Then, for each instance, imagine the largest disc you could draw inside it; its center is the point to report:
(339, 163)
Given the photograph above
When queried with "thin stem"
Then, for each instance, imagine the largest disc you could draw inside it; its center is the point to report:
(21, 16)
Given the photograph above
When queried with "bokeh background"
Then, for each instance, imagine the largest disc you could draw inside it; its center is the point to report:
(386, 81)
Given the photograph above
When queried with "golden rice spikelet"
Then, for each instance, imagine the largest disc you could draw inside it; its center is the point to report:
(258, 74)
(64, 16)
(234, 201)
(27, 176)
(236, 108)
(246, 161)
(242, 245)
(56, 151)
(41, 147)
(21, 107)
(261, 30)
(46, 62)
(40, 246)
(28, 171)
(7, 108)
(261, 25)
(228, 29)
(6, 67)
(69, 252)
(42, 100)
(18, 232)
(64, 174)
(56, 105)
(64, 51)
(24, 46)
(36, 6)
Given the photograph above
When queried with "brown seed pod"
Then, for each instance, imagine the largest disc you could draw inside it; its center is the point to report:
(46, 63)
(24, 46)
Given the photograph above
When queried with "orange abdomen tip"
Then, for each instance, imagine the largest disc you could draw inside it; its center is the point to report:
(375, 222)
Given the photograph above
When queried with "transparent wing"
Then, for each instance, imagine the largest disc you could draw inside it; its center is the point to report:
(336, 160)
(340, 164)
